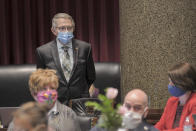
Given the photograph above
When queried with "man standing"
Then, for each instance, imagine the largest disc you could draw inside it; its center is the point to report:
(71, 58)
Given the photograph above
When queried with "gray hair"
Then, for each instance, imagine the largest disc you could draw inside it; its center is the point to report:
(64, 16)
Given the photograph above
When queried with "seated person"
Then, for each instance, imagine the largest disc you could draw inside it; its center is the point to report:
(133, 111)
(182, 83)
(43, 85)
(31, 116)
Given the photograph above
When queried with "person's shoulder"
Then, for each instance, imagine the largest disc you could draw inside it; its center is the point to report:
(193, 95)
(192, 99)
(146, 126)
(96, 128)
(47, 45)
(150, 127)
(65, 109)
(80, 42)
(62, 106)
(172, 100)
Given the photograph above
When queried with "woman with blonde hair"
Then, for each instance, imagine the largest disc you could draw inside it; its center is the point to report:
(43, 85)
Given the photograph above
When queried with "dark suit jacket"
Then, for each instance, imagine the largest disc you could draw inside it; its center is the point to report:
(141, 127)
(144, 126)
(82, 75)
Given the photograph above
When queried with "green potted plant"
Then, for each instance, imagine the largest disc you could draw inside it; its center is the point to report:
(110, 119)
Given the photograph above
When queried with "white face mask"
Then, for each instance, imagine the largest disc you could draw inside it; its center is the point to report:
(131, 120)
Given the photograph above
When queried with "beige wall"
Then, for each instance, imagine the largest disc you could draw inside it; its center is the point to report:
(154, 35)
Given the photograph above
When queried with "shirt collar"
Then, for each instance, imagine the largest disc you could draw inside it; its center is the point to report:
(60, 45)
(53, 109)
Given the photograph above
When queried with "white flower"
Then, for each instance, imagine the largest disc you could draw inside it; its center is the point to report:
(111, 93)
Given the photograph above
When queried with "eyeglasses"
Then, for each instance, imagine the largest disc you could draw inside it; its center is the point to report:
(65, 28)
(136, 108)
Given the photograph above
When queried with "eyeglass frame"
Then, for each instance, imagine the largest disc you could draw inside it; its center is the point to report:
(136, 108)
(65, 28)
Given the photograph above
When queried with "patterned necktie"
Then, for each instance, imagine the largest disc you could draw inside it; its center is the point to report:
(66, 63)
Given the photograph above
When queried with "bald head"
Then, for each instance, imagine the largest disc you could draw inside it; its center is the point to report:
(136, 100)
(137, 95)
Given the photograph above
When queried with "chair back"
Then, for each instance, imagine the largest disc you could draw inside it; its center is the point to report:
(108, 75)
(84, 113)
(78, 105)
(6, 115)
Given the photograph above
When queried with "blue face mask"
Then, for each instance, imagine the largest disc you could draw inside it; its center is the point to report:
(65, 37)
(175, 91)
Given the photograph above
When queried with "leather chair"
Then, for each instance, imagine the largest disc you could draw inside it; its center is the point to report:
(78, 105)
(14, 89)
(87, 115)
(85, 123)
(6, 115)
(108, 75)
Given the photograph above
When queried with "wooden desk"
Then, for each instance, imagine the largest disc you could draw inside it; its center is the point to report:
(3, 129)
(154, 116)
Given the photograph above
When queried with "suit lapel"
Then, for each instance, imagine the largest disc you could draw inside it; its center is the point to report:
(56, 58)
(75, 56)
